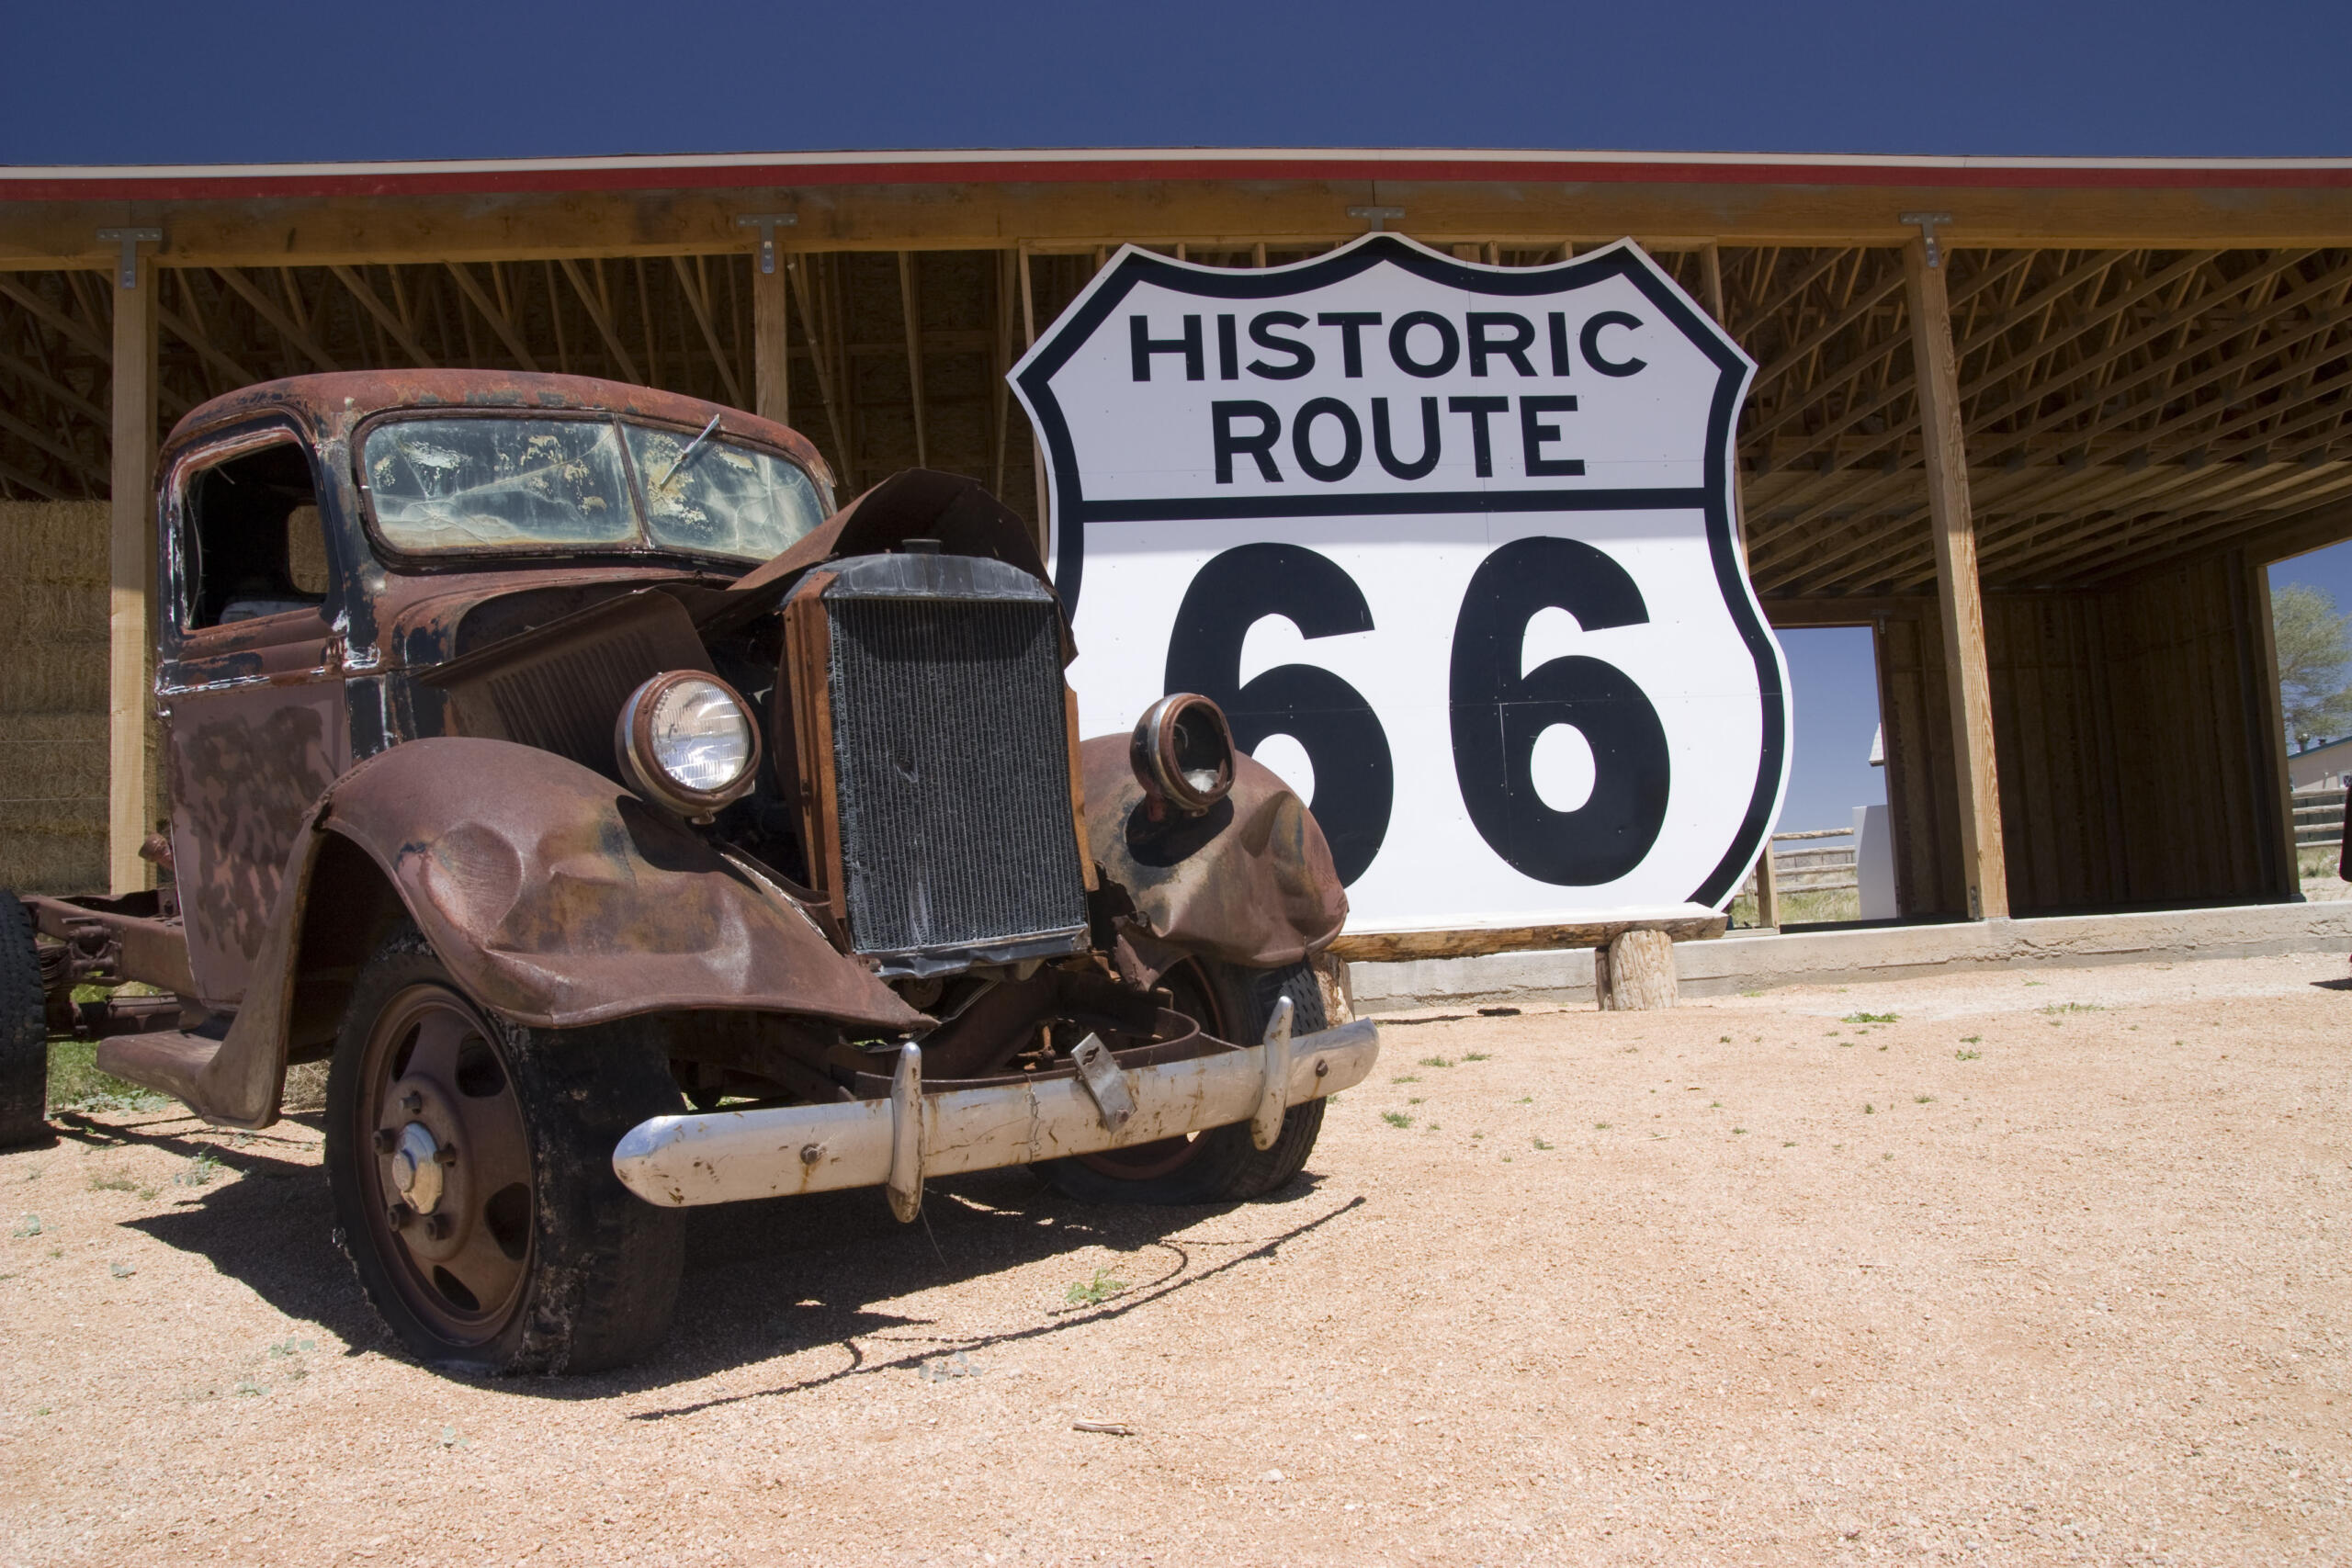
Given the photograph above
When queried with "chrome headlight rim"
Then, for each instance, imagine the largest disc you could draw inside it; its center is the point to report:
(1180, 736)
(640, 768)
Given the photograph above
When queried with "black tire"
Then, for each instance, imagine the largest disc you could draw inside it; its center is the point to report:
(1221, 1165)
(583, 1274)
(24, 1032)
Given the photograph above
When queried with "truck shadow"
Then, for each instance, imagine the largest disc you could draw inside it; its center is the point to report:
(764, 1280)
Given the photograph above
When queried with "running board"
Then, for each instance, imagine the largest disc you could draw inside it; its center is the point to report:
(167, 1061)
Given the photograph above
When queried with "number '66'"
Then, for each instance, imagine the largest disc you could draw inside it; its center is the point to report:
(1496, 712)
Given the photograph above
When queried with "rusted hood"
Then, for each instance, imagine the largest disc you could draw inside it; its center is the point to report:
(1249, 881)
(557, 899)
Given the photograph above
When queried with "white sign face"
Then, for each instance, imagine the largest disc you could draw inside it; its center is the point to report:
(1451, 545)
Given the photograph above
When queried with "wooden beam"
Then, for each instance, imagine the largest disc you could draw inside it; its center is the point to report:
(269, 310)
(50, 385)
(76, 331)
(385, 315)
(913, 309)
(692, 283)
(1001, 365)
(496, 317)
(190, 332)
(1036, 447)
(600, 318)
(772, 343)
(1983, 867)
(22, 480)
(32, 435)
(1301, 213)
(132, 573)
(809, 273)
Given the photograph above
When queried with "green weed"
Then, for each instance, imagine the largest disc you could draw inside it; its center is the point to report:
(1096, 1290)
(1869, 1109)
(1869, 1017)
(199, 1171)
(112, 1183)
(1435, 1062)
(1396, 1118)
(1539, 1142)
(1967, 1055)
(1477, 1056)
(1601, 1126)
(1923, 1099)
(1408, 1078)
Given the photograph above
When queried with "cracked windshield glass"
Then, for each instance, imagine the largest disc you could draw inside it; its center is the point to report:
(498, 484)
(505, 484)
(706, 496)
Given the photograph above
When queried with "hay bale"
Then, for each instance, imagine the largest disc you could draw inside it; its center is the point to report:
(53, 605)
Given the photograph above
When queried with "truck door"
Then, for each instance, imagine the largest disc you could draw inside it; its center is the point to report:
(249, 685)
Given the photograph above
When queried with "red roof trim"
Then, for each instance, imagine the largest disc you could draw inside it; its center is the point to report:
(785, 171)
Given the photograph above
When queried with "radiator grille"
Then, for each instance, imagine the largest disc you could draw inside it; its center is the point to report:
(566, 701)
(953, 774)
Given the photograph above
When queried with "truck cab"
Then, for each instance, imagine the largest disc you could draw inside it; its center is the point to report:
(631, 827)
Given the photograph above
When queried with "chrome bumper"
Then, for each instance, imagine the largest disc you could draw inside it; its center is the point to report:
(723, 1156)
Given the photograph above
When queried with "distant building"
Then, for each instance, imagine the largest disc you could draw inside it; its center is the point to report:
(2329, 763)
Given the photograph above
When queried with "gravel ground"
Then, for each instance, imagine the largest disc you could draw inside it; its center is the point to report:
(2051, 1267)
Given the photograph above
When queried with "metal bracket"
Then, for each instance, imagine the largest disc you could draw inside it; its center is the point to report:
(1928, 223)
(767, 224)
(1378, 217)
(906, 1134)
(1274, 1091)
(1103, 1080)
(126, 275)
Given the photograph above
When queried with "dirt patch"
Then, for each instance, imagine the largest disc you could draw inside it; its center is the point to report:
(2040, 1268)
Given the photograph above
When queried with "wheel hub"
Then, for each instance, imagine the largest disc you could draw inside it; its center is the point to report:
(417, 1166)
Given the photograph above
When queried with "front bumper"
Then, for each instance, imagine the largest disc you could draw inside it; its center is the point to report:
(723, 1156)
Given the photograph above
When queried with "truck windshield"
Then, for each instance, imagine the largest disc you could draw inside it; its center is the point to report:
(492, 485)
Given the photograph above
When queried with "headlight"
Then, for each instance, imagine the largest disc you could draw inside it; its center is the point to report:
(686, 742)
(1182, 753)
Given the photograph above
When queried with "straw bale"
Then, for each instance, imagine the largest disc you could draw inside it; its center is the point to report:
(53, 599)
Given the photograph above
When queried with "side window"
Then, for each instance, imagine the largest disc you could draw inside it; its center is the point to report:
(253, 538)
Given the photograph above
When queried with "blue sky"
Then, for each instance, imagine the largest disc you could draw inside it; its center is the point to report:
(134, 82)
(234, 80)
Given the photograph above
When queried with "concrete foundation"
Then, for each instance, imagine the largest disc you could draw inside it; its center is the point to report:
(1759, 961)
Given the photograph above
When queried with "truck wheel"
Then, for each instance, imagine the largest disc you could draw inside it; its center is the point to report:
(471, 1161)
(23, 1031)
(1221, 1165)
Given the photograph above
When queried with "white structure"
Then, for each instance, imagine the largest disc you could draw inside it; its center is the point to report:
(2328, 763)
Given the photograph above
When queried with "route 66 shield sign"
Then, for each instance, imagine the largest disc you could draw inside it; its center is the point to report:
(1453, 547)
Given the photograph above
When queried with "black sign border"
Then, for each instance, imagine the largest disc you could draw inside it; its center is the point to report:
(1134, 267)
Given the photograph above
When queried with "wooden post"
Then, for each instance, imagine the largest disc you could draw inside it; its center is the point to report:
(1636, 972)
(131, 536)
(1983, 867)
(772, 343)
(912, 307)
(1036, 447)
(1767, 881)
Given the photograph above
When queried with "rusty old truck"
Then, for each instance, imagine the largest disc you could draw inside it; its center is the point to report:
(629, 829)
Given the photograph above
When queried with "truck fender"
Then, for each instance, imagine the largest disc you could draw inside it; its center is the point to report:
(554, 897)
(1249, 880)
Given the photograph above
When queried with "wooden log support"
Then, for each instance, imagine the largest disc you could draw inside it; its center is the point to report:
(1983, 867)
(772, 343)
(1636, 972)
(131, 553)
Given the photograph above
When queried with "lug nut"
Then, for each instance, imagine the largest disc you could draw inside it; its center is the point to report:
(436, 1227)
(412, 1102)
(386, 1140)
(445, 1154)
(399, 1215)
(811, 1153)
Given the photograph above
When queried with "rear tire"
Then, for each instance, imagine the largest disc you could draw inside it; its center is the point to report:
(24, 1032)
(1221, 1165)
(520, 1251)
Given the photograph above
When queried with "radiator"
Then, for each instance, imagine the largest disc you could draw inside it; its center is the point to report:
(951, 764)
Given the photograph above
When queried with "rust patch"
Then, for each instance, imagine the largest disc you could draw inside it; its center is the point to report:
(1249, 881)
